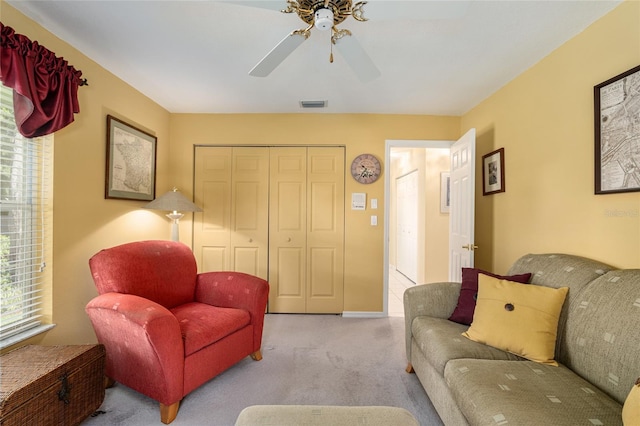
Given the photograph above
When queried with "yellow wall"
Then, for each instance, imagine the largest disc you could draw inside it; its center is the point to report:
(544, 120)
(359, 133)
(84, 222)
(436, 250)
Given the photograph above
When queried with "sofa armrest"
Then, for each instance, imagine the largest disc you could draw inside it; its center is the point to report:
(236, 290)
(436, 300)
(143, 343)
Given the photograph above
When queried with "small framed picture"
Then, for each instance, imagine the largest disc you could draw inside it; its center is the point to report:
(493, 172)
(131, 162)
(617, 138)
(445, 192)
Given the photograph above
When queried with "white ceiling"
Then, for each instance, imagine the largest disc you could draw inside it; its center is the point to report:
(435, 57)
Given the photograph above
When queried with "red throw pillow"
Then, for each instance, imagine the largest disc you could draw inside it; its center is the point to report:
(463, 313)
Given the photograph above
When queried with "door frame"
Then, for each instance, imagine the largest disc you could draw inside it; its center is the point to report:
(389, 144)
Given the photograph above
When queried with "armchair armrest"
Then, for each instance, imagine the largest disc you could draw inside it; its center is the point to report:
(236, 290)
(143, 344)
(436, 300)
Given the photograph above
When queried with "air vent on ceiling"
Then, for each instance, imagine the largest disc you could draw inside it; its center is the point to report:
(313, 104)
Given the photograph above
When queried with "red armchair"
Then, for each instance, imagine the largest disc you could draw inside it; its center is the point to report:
(166, 328)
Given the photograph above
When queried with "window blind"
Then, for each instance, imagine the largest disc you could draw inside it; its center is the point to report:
(25, 223)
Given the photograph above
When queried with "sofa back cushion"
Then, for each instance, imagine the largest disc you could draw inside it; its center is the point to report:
(560, 270)
(162, 271)
(602, 336)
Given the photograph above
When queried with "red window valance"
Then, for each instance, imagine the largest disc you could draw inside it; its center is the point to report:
(45, 87)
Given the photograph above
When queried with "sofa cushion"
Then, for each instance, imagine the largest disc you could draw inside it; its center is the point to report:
(631, 408)
(527, 393)
(602, 333)
(440, 341)
(463, 313)
(521, 319)
(202, 324)
(560, 270)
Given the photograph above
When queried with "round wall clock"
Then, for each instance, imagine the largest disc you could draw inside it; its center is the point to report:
(365, 168)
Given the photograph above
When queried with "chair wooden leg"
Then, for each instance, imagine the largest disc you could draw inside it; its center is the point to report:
(108, 382)
(168, 413)
(257, 355)
(409, 368)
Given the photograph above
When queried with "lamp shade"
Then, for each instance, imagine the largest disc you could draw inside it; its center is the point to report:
(173, 201)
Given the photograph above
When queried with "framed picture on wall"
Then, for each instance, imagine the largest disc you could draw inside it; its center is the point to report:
(131, 162)
(445, 192)
(493, 172)
(617, 133)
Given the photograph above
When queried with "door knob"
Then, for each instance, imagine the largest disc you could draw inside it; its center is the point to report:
(471, 247)
(289, 239)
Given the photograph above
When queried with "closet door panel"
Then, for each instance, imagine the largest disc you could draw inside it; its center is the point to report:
(287, 230)
(250, 210)
(212, 192)
(231, 186)
(322, 266)
(325, 230)
(289, 278)
(214, 259)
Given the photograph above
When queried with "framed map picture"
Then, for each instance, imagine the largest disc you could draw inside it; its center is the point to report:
(131, 162)
(617, 133)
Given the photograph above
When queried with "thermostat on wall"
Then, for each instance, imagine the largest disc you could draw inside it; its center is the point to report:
(358, 201)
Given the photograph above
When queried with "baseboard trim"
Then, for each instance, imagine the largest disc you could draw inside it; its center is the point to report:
(363, 314)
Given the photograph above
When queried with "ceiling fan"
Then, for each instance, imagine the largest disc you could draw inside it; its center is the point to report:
(324, 15)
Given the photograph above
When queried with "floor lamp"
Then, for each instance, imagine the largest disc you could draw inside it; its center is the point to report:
(174, 202)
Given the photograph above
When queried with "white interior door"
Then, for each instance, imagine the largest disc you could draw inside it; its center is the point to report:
(462, 210)
(407, 225)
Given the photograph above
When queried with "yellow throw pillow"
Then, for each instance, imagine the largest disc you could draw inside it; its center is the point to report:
(517, 318)
(631, 408)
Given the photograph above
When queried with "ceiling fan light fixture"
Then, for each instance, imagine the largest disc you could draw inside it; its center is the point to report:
(323, 19)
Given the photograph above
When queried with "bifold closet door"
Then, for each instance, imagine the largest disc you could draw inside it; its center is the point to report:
(231, 186)
(306, 230)
(278, 213)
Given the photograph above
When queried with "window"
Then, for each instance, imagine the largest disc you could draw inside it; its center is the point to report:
(25, 225)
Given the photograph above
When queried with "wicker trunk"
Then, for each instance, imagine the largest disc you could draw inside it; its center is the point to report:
(51, 385)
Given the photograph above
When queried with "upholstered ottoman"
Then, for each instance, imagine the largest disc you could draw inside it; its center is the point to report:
(296, 415)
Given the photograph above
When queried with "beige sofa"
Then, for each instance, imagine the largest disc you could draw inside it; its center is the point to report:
(597, 348)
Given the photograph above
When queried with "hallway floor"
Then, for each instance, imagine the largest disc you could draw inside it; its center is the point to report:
(398, 283)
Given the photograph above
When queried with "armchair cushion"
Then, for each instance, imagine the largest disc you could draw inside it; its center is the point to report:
(162, 271)
(202, 324)
(236, 290)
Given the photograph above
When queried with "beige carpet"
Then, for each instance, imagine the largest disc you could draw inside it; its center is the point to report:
(308, 360)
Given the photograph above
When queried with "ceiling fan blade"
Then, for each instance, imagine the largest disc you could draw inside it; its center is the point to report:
(352, 52)
(277, 55)
(261, 4)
